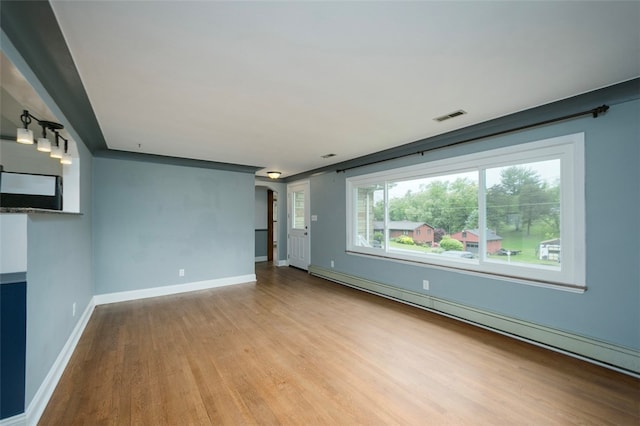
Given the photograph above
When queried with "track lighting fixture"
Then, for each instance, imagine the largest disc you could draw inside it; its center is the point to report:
(66, 157)
(56, 150)
(25, 136)
(44, 145)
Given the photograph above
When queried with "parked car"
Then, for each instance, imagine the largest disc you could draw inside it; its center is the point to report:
(505, 252)
(455, 253)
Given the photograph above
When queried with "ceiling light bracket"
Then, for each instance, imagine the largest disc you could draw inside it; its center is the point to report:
(51, 125)
(25, 118)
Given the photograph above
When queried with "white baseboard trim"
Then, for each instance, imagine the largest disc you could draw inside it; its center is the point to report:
(261, 258)
(283, 263)
(608, 355)
(17, 420)
(124, 296)
(41, 398)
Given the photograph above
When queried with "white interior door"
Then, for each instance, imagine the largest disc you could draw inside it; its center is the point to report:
(298, 225)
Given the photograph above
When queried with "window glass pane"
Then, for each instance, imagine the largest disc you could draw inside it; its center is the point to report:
(523, 211)
(428, 215)
(298, 210)
(509, 226)
(370, 216)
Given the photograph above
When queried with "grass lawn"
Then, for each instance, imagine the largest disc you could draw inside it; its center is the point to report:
(527, 244)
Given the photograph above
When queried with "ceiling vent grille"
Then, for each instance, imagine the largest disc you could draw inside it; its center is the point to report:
(328, 155)
(450, 115)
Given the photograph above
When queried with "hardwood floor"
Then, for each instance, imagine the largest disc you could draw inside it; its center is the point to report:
(295, 349)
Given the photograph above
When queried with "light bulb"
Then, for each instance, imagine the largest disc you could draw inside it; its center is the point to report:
(66, 159)
(56, 152)
(25, 136)
(44, 145)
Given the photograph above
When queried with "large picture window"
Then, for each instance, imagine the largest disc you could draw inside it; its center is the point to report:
(515, 212)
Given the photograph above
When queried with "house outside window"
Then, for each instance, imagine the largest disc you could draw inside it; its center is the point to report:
(501, 212)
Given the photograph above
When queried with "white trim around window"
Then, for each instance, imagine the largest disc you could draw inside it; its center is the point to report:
(552, 204)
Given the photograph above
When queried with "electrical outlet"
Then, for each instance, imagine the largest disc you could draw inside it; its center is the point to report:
(332, 264)
(73, 309)
(425, 284)
(181, 272)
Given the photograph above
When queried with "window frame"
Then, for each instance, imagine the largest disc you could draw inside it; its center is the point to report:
(568, 148)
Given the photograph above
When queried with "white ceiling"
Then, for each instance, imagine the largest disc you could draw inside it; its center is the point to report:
(16, 95)
(279, 84)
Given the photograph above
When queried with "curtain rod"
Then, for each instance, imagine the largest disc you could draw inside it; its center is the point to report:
(594, 112)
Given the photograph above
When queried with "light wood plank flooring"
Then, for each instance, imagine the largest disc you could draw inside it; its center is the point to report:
(299, 350)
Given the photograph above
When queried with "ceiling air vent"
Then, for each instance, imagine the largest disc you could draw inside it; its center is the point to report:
(328, 155)
(450, 115)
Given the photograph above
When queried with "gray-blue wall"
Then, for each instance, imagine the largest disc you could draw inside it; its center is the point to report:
(59, 261)
(154, 219)
(260, 211)
(59, 274)
(609, 310)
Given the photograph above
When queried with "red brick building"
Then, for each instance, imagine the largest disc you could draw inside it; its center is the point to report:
(420, 232)
(471, 237)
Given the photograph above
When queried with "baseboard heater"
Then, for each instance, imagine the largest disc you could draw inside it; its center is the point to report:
(26, 190)
(612, 356)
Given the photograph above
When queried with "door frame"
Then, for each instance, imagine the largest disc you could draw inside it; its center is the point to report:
(279, 259)
(307, 217)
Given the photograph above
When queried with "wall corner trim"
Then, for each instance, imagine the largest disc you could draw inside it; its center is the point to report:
(622, 359)
(40, 400)
(124, 296)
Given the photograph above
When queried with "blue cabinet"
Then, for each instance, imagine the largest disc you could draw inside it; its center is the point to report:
(13, 334)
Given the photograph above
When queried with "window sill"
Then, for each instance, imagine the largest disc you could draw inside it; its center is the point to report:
(511, 279)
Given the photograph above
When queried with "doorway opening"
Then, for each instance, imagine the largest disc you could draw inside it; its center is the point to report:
(266, 225)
